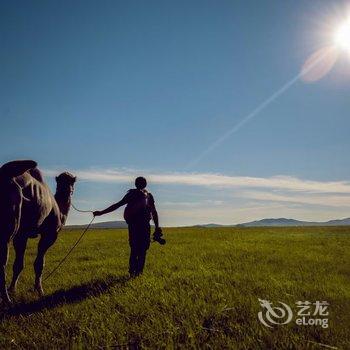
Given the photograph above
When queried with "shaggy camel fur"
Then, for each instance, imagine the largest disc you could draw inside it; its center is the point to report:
(28, 208)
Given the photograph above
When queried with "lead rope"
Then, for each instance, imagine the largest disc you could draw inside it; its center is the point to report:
(75, 244)
(79, 210)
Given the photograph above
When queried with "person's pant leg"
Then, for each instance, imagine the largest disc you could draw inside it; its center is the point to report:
(133, 260)
(133, 250)
(144, 242)
(139, 240)
(141, 260)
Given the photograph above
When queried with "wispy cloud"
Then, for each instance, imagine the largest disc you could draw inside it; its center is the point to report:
(206, 197)
(304, 198)
(284, 183)
(208, 202)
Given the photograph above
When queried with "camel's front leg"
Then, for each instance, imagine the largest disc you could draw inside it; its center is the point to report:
(45, 243)
(20, 244)
(10, 208)
(3, 261)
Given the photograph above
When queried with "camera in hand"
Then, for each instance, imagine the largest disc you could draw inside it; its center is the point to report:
(157, 237)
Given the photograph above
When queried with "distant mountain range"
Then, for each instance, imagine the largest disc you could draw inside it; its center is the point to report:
(281, 222)
(106, 224)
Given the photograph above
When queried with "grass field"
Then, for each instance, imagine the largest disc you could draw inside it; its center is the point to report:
(201, 290)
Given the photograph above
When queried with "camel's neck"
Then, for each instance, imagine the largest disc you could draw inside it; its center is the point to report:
(63, 199)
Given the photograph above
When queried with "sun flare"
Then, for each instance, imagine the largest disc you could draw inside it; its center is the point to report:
(342, 36)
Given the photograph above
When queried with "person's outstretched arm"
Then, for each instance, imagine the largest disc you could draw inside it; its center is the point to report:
(111, 208)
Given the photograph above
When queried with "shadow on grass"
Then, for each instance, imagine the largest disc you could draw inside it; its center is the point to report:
(65, 296)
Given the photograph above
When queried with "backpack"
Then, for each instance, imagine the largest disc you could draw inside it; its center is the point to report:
(138, 206)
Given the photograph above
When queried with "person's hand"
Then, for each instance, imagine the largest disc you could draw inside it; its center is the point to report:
(97, 213)
(158, 231)
(157, 236)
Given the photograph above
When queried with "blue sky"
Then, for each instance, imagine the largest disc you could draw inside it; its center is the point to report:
(125, 88)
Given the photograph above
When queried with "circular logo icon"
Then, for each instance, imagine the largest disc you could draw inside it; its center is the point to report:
(274, 315)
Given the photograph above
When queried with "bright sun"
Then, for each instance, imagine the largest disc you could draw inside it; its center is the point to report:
(342, 36)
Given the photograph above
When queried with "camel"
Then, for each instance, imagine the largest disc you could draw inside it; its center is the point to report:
(28, 209)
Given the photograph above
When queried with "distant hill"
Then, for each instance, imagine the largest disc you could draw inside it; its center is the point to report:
(276, 222)
(341, 222)
(283, 222)
(211, 225)
(104, 225)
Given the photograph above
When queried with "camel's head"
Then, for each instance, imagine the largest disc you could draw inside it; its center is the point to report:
(65, 183)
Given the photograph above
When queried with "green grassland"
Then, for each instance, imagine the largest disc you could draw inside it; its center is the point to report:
(200, 290)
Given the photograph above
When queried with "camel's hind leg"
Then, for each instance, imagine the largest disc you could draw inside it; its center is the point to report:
(3, 261)
(45, 243)
(20, 244)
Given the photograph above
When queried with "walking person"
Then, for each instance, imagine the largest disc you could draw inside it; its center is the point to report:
(139, 210)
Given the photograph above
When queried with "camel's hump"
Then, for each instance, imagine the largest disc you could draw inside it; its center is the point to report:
(17, 167)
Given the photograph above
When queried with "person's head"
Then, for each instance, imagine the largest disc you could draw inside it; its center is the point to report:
(140, 183)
